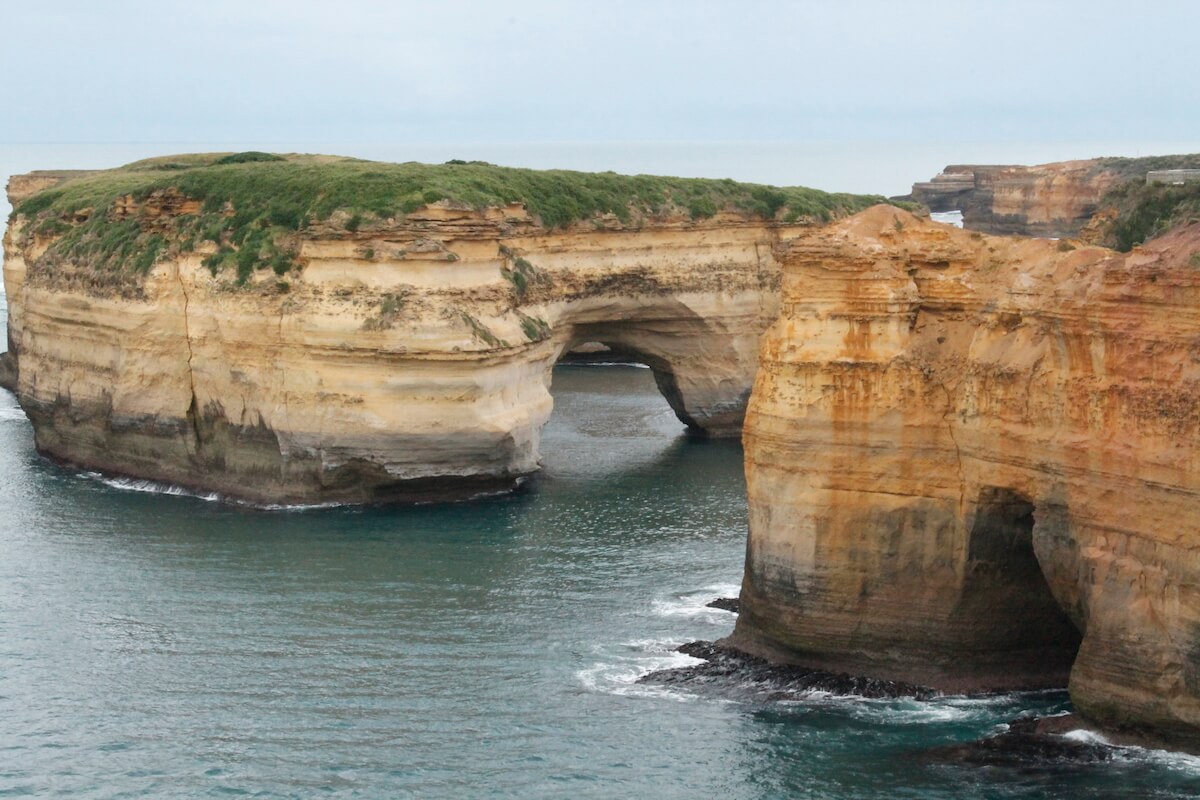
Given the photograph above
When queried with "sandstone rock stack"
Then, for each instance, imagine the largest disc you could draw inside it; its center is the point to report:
(407, 360)
(972, 463)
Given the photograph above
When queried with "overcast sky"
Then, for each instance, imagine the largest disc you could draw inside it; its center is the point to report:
(1044, 76)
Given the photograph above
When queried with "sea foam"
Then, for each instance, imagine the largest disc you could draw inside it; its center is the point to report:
(172, 490)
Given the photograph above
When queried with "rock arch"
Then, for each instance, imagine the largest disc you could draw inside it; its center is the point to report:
(702, 369)
(406, 363)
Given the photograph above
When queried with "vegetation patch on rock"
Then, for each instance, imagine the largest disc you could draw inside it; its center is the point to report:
(255, 207)
(482, 332)
(1134, 210)
(524, 276)
(535, 329)
(1145, 210)
(390, 307)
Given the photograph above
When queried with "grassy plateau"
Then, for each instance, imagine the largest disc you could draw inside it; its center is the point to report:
(254, 207)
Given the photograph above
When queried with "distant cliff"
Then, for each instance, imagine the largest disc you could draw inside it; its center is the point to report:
(1049, 200)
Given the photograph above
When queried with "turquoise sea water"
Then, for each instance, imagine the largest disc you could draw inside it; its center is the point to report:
(154, 645)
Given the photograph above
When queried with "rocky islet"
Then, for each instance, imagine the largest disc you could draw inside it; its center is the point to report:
(392, 355)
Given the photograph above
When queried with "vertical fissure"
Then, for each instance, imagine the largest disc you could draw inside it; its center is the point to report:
(193, 412)
(962, 478)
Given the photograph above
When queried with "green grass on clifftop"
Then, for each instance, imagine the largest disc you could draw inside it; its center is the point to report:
(1140, 210)
(1145, 210)
(254, 205)
(1135, 168)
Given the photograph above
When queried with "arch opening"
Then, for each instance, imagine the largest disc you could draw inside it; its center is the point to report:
(595, 344)
(608, 417)
(1006, 589)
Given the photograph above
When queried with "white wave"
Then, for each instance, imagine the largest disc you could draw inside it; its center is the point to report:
(1086, 737)
(882, 710)
(12, 414)
(618, 674)
(607, 364)
(169, 489)
(149, 487)
(1170, 759)
(654, 646)
(925, 712)
(910, 711)
(694, 604)
(1181, 762)
(501, 492)
(954, 218)
(286, 506)
(820, 697)
(1007, 699)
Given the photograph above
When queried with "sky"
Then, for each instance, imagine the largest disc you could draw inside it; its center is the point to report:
(834, 94)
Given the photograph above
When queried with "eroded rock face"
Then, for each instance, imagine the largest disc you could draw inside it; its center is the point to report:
(22, 187)
(405, 362)
(1044, 200)
(972, 464)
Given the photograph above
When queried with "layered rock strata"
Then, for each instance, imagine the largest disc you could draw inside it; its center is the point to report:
(1046, 200)
(972, 463)
(408, 361)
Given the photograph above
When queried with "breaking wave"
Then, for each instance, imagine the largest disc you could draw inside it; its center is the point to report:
(12, 414)
(172, 490)
(694, 604)
(619, 673)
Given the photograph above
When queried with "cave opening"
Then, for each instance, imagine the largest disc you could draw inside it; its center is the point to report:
(609, 418)
(596, 346)
(1006, 593)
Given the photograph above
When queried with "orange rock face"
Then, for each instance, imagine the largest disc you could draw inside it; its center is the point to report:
(1045, 200)
(972, 463)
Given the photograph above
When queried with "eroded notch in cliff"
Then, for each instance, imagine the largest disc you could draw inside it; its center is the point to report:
(1005, 588)
(1003, 529)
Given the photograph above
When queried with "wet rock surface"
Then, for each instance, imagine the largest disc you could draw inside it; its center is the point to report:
(732, 672)
(725, 604)
(1028, 741)
(8, 372)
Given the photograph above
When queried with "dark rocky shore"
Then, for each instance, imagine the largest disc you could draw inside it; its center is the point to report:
(731, 671)
(1025, 742)
(725, 604)
(1028, 741)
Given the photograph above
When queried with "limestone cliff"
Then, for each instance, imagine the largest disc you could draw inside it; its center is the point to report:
(386, 354)
(1104, 200)
(972, 463)
(1045, 200)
